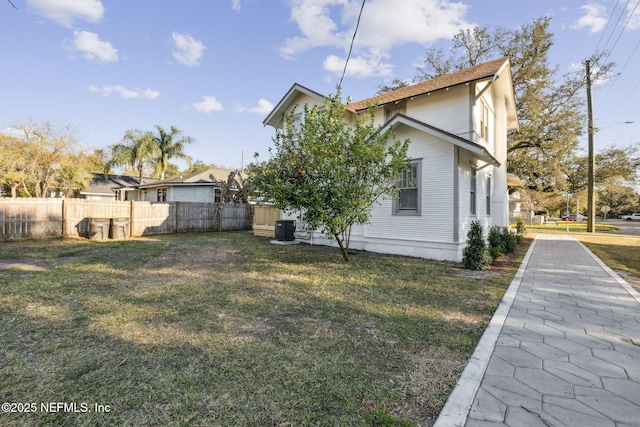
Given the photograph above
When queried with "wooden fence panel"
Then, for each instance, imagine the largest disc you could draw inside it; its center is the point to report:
(194, 216)
(30, 218)
(235, 216)
(264, 220)
(37, 218)
(154, 218)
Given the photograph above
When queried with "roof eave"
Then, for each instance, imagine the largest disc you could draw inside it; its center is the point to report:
(476, 149)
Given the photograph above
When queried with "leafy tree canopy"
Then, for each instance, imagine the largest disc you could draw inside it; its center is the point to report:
(37, 158)
(330, 171)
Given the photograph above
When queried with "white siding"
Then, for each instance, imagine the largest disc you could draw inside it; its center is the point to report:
(191, 194)
(435, 223)
(445, 109)
(301, 101)
(464, 179)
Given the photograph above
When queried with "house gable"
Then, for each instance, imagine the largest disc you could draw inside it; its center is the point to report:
(289, 100)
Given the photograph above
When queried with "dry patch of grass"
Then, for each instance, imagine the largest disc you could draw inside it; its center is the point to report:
(226, 329)
(619, 252)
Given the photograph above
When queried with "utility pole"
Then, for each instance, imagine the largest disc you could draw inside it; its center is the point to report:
(591, 203)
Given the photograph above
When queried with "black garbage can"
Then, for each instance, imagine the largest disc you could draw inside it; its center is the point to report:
(98, 228)
(285, 230)
(119, 228)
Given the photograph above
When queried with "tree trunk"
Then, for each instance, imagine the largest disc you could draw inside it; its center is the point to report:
(343, 250)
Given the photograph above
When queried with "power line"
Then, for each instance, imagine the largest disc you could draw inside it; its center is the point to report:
(608, 22)
(351, 47)
(608, 54)
(623, 28)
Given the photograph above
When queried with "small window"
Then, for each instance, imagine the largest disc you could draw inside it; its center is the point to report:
(484, 121)
(472, 201)
(162, 195)
(394, 109)
(488, 195)
(408, 201)
(296, 122)
(217, 195)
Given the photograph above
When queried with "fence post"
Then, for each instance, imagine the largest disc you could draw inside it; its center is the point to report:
(65, 232)
(132, 219)
(176, 217)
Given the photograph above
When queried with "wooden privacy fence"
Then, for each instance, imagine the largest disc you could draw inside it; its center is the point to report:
(264, 220)
(39, 218)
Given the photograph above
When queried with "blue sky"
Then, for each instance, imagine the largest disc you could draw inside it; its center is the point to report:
(215, 68)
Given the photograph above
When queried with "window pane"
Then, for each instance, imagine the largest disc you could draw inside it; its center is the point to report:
(408, 199)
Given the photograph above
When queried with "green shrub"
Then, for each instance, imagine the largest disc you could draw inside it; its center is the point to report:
(520, 228)
(475, 255)
(501, 240)
(496, 241)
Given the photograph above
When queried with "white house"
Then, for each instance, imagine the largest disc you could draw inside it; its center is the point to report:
(457, 125)
(196, 187)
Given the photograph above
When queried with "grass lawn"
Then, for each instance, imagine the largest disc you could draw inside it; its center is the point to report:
(621, 253)
(226, 329)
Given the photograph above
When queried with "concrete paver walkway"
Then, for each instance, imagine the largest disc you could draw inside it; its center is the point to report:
(562, 349)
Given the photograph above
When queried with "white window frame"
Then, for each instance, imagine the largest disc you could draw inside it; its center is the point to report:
(412, 182)
(473, 187)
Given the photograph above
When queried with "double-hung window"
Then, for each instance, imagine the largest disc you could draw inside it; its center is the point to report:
(472, 192)
(408, 201)
(162, 195)
(488, 193)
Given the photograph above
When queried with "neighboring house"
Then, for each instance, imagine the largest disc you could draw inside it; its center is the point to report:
(108, 187)
(204, 186)
(457, 125)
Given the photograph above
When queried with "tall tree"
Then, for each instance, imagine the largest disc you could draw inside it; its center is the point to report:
(329, 171)
(614, 166)
(137, 151)
(620, 198)
(33, 158)
(170, 145)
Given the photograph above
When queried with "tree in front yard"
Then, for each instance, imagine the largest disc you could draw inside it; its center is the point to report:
(329, 171)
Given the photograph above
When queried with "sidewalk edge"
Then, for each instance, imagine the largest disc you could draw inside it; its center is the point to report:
(457, 407)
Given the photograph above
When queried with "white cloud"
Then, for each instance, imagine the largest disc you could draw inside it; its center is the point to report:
(594, 18)
(263, 108)
(94, 49)
(385, 24)
(236, 4)
(208, 104)
(125, 92)
(633, 15)
(188, 51)
(358, 66)
(65, 12)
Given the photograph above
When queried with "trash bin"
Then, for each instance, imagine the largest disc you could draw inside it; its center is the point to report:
(285, 230)
(119, 228)
(98, 228)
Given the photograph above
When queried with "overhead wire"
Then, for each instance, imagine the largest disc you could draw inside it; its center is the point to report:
(351, 46)
(607, 52)
(608, 22)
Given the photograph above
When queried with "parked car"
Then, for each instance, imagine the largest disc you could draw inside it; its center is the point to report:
(574, 217)
(633, 216)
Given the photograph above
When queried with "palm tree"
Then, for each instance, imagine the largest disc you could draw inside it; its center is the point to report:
(137, 150)
(170, 145)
